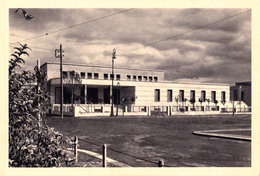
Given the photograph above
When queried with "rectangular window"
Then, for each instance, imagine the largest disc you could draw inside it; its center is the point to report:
(57, 95)
(235, 95)
(134, 78)
(89, 75)
(203, 95)
(117, 77)
(128, 77)
(213, 96)
(145, 78)
(111, 76)
(169, 95)
(105, 76)
(192, 94)
(155, 79)
(64, 74)
(223, 96)
(139, 78)
(242, 96)
(157, 95)
(181, 95)
(82, 75)
(150, 78)
(95, 75)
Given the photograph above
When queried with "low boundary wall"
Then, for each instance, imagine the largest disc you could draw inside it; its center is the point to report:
(91, 110)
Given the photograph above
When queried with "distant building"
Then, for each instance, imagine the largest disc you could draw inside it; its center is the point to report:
(241, 92)
(135, 92)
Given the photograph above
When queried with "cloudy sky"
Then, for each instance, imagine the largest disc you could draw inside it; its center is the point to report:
(201, 45)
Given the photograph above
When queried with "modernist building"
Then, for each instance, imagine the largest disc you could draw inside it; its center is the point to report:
(241, 92)
(135, 91)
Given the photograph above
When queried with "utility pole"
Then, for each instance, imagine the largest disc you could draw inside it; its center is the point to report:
(61, 78)
(112, 106)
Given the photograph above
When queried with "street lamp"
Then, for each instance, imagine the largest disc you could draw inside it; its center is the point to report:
(112, 105)
(118, 84)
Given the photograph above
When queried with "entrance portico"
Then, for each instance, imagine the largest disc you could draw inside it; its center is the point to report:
(91, 93)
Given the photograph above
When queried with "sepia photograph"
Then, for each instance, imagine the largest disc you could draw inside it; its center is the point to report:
(121, 88)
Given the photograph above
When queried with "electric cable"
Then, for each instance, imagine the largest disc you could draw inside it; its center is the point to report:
(189, 31)
(63, 29)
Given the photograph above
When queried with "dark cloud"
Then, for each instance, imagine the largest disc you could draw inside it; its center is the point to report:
(194, 18)
(238, 51)
(216, 71)
(220, 52)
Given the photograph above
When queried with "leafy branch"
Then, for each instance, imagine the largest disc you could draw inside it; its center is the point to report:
(31, 143)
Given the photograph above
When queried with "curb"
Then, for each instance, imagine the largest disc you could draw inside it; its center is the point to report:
(210, 133)
(109, 160)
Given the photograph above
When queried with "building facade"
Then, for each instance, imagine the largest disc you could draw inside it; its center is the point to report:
(88, 91)
(241, 92)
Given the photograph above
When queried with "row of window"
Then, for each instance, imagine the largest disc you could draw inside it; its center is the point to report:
(118, 77)
(192, 95)
(142, 78)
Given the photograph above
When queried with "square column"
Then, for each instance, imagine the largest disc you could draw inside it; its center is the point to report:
(101, 93)
(85, 93)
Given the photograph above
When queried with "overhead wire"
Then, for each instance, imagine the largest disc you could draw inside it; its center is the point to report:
(63, 29)
(150, 44)
(189, 31)
(200, 27)
(33, 47)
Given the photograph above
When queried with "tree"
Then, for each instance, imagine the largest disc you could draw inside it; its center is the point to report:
(216, 102)
(31, 143)
(124, 100)
(202, 107)
(185, 99)
(200, 100)
(177, 100)
(223, 102)
(74, 85)
(133, 99)
(192, 101)
(233, 107)
(208, 100)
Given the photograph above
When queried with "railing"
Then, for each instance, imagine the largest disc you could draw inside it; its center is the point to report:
(90, 108)
(212, 108)
(244, 109)
(150, 110)
(136, 109)
(159, 110)
(66, 108)
(227, 110)
(197, 108)
(106, 149)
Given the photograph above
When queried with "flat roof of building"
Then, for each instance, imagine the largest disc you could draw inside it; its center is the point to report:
(139, 69)
(98, 66)
(199, 83)
(243, 83)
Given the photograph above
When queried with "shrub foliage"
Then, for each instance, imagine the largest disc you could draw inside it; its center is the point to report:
(31, 143)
